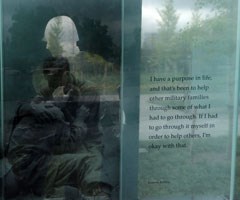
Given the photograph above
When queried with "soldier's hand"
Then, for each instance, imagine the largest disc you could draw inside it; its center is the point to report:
(46, 112)
(60, 99)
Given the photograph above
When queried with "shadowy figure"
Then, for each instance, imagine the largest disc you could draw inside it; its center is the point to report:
(56, 142)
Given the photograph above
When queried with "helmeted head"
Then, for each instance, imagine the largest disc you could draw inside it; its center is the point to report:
(61, 37)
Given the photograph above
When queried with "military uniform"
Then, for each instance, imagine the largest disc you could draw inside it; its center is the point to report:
(64, 150)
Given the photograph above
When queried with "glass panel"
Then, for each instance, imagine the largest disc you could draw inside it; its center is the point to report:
(130, 98)
(61, 69)
(1, 107)
(188, 99)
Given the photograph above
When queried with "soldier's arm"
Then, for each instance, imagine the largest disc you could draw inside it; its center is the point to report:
(42, 112)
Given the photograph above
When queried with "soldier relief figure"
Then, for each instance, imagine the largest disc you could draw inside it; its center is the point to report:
(56, 146)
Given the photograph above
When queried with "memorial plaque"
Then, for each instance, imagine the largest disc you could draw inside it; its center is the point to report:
(188, 99)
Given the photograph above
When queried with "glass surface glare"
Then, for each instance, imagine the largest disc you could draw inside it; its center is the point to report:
(187, 101)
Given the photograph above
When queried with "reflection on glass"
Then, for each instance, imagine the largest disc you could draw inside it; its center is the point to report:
(187, 92)
(61, 127)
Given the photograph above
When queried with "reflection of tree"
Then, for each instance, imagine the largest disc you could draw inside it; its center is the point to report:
(25, 48)
(216, 5)
(164, 52)
(94, 38)
(54, 37)
(99, 59)
(26, 35)
(213, 36)
(169, 20)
